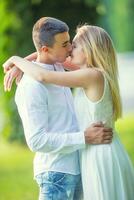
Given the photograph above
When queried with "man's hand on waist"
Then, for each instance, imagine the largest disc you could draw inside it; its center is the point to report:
(98, 134)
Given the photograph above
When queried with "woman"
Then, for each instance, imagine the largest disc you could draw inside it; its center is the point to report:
(107, 173)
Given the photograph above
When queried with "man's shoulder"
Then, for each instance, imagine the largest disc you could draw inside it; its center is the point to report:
(30, 87)
(27, 83)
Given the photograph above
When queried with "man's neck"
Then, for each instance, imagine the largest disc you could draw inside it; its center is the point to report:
(43, 59)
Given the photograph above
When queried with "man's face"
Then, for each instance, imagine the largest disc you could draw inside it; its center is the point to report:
(61, 48)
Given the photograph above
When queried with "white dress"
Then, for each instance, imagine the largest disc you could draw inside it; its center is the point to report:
(107, 172)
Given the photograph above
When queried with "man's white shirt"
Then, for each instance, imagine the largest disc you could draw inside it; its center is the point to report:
(50, 124)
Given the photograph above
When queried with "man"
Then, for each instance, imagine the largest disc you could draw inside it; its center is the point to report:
(48, 117)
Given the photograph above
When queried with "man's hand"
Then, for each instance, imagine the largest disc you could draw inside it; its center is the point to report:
(9, 77)
(98, 134)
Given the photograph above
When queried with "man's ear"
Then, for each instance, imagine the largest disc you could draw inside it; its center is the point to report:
(44, 48)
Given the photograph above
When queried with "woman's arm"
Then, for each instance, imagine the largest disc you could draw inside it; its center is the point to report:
(78, 78)
(15, 73)
(32, 56)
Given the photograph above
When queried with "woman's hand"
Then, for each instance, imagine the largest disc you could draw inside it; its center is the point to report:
(14, 73)
(8, 64)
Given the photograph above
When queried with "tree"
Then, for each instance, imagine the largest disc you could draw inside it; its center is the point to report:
(17, 19)
(117, 20)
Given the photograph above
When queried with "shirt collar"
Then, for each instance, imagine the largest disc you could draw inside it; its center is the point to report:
(46, 66)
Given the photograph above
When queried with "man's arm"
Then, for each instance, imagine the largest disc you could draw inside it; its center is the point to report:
(32, 107)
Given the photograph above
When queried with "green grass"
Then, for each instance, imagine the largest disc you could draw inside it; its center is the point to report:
(16, 173)
(16, 168)
(125, 128)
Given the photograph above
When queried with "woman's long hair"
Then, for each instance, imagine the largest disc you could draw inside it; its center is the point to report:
(100, 53)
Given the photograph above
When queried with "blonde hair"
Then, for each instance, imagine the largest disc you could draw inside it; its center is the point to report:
(100, 53)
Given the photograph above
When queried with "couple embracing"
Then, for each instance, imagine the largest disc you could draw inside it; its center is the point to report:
(78, 153)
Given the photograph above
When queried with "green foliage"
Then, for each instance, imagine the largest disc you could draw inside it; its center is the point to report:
(117, 20)
(125, 127)
(17, 19)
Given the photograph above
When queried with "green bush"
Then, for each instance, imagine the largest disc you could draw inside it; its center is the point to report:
(17, 19)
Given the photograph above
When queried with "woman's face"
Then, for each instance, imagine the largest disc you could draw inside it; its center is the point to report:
(78, 56)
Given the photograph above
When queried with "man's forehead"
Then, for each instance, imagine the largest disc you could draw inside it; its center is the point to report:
(62, 37)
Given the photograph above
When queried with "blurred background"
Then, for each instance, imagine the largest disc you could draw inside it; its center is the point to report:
(16, 21)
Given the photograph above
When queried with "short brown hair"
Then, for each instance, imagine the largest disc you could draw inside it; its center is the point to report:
(45, 29)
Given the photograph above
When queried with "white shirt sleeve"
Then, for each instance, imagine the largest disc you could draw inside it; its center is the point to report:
(33, 109)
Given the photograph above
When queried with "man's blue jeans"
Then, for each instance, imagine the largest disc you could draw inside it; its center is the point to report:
(59, 186)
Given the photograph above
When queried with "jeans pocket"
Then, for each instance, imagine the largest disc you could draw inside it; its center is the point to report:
(57, 177)
(50, 178)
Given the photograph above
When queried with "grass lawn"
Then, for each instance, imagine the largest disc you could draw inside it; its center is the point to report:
(16, 173)
(16, 170)
(125, 128)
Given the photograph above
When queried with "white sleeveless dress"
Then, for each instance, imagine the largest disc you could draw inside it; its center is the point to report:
(107, 173)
